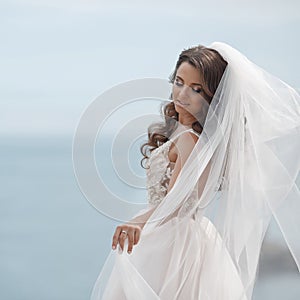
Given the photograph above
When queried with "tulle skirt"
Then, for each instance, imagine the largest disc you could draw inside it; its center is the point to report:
(178, 260)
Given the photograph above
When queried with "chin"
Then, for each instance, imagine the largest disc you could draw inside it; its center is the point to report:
(178, 108)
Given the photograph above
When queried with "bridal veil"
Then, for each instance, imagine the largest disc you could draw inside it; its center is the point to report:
(243, 170)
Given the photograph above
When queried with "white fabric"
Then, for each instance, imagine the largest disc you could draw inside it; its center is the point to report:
(159, 172)
(243, 168)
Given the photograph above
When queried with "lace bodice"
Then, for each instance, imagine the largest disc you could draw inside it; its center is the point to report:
(159, 172)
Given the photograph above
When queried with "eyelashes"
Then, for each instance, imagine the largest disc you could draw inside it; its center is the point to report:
(180, 84)
(198, 91)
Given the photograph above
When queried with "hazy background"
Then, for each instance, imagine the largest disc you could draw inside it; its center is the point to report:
(55, 58)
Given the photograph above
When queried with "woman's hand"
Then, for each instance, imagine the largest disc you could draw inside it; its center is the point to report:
(122, 232)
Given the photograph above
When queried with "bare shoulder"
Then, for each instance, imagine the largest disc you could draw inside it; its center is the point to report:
(186, 142)
(184, 145)
(187, 138)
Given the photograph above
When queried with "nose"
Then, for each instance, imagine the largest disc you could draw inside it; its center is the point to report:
(183, 93)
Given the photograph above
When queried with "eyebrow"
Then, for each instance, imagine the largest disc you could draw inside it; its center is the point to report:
(192, 83)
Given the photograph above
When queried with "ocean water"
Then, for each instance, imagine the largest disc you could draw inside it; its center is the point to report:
(53, 243)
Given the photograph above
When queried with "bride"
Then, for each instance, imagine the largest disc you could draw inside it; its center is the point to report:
(224, 160)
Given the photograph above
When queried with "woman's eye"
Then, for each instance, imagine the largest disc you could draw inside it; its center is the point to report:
(197, 90)
(177, 82)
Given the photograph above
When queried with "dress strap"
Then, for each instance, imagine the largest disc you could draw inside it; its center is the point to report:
(187, 130)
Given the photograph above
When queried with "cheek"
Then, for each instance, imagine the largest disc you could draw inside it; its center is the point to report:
(197, 105)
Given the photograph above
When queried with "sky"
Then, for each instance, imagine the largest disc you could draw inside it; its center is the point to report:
(58, 56)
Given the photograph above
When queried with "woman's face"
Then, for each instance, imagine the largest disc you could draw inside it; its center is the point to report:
(188, 90)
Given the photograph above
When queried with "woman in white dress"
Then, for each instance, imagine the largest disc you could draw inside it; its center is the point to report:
(224, 161)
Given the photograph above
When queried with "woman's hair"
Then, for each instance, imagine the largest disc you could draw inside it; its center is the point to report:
(211, 66)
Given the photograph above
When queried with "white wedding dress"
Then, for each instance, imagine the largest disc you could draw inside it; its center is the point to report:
(168, 264)
(203, 239)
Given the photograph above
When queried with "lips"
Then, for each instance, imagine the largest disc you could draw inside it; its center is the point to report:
(181, 103)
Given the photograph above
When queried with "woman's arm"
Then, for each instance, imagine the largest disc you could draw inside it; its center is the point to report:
(183, 148)
(141, 219)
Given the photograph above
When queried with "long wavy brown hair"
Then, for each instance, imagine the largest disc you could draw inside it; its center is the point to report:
(211, 66)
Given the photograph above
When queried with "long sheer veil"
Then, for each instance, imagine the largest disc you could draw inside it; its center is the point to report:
(243, 169)
(244, 166)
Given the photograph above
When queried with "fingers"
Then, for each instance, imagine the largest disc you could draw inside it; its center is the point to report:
(130, 236)
(116, 237)
(137, 235)
(122, 238)
(119, 237)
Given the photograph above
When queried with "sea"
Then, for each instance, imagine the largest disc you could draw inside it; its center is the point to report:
(53, 242)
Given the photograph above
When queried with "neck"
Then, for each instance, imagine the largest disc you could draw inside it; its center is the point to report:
(187, 122)
(186, 125)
